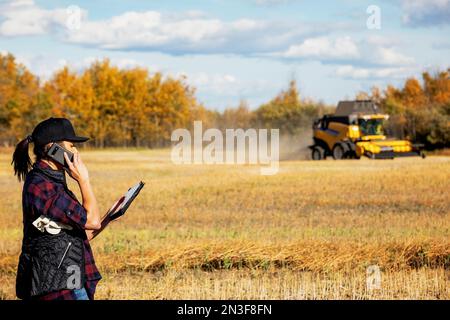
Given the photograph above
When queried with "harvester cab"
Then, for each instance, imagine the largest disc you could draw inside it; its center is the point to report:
(355, 130)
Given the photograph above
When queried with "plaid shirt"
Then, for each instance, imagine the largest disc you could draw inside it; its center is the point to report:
(48, 195)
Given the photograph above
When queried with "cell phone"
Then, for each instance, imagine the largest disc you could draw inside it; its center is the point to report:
(56, 153)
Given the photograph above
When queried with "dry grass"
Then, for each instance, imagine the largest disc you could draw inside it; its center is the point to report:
(227, 232)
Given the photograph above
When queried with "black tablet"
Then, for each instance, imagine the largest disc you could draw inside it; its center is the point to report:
(121, 205)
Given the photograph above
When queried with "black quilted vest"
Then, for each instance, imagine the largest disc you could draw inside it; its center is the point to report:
(49, 262)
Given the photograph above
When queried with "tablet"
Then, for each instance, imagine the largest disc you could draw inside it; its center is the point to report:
(120, 206)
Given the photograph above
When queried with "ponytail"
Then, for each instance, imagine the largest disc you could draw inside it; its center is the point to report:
(21, 159)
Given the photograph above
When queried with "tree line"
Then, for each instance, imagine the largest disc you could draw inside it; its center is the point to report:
(134, 108)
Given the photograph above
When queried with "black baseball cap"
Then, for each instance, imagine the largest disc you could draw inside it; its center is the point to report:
(55, 129)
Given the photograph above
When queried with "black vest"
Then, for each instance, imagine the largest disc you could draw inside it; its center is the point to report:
(49, 262)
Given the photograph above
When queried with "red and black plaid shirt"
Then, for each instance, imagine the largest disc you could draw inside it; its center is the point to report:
(47, 194)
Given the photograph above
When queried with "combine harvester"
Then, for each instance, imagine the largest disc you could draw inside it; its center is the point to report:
(356, 130)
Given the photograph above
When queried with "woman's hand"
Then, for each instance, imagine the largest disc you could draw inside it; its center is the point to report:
(79, 172)
(77, 169)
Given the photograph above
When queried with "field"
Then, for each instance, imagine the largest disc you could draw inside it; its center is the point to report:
(309, 232)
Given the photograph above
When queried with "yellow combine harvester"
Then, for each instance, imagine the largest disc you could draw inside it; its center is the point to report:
(355, 130)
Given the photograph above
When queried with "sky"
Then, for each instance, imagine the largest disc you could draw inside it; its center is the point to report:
(232, 50)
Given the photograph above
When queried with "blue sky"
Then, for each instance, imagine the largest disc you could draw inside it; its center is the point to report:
(232, 50)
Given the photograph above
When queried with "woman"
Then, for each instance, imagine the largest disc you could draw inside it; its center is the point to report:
(56, 261)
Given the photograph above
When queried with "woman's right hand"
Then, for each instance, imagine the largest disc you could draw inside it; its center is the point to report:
(77, 168)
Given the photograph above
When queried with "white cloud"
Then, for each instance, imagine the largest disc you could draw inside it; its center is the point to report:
(42, 66)
(324, 48)
(127, 63)
(383, 41)
(121, 63)
(221, 90)
(374, 50)
(18, 3)
(145, 29)
(218, 84)
(173, 33)
(388, 56)
(181, 34)
(23, 18)
(195, 32)
(45, 66)
(351, 72)
(426, 12)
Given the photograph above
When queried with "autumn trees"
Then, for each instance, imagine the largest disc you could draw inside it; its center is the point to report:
(132, 107)
(19, 99)
(122, 107)
(116, 107)
(287, 111)
(420, 111)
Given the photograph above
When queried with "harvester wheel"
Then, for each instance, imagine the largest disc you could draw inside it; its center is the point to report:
(338, 152)
(353, 155)
(317, 153)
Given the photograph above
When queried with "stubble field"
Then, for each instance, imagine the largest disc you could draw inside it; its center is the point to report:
(312, 231)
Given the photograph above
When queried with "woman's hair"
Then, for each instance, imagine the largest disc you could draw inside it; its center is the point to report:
(21, 159)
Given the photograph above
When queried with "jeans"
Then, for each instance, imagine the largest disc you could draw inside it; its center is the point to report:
(81, 294)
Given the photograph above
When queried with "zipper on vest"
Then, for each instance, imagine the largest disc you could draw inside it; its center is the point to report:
(64, 255)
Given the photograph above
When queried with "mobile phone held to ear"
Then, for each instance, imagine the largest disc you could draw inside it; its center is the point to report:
(56, 153)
